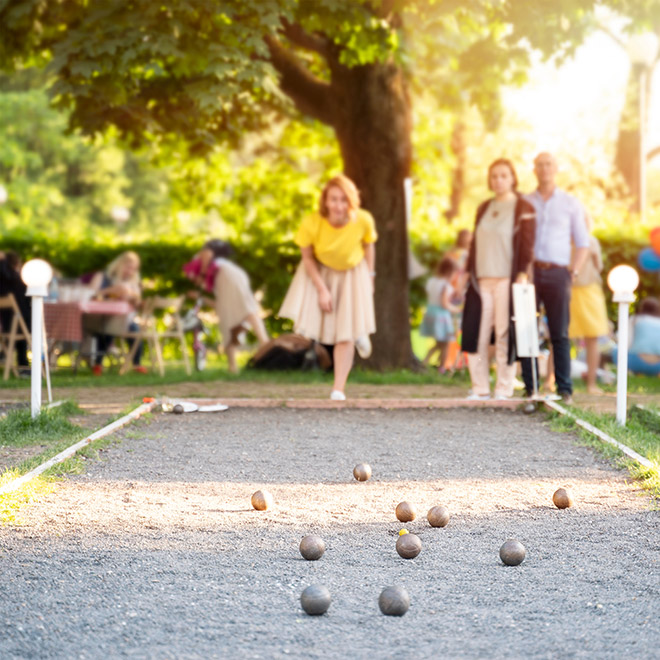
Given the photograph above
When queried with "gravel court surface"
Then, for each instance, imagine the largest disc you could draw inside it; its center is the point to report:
(155, 551)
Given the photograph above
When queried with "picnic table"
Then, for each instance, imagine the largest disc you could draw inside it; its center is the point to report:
(71, 321)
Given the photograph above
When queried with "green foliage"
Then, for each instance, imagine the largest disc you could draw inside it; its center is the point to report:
(186, 77)
(193, 69)
(203, 72)
(66, 182)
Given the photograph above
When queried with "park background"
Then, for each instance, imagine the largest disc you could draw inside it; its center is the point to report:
(129, 124)
(482, 81)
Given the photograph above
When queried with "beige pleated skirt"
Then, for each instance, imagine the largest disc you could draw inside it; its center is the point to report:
(352, 314)
(234, 299)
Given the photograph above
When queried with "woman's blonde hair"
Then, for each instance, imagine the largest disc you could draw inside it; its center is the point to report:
(114, 267)
(347, 187)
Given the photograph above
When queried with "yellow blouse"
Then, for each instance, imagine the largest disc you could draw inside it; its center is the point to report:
(340, 248)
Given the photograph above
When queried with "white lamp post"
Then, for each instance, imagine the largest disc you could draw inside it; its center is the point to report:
(37, 274)
(622, 280)
(643, 50)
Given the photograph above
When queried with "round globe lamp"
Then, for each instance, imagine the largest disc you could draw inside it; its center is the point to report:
(623, 281)
(37, 275)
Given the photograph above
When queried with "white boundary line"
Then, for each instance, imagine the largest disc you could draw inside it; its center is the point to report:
(70, 451)
(600, 434)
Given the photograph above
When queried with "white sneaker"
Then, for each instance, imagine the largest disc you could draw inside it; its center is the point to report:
(477, 397)
(336, 395)
(363, 346)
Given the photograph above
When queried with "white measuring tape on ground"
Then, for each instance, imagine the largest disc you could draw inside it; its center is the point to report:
(642, 460)
(70, 451)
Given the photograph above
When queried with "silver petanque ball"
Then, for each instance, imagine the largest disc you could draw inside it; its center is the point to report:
(312, 547)
(408, 546)
(315, 600)
(394, 601)
(512, 552)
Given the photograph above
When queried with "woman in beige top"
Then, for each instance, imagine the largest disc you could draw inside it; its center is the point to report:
(501, 253)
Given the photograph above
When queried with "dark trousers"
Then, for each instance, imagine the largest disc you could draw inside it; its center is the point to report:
(103, 343)
(553, 290)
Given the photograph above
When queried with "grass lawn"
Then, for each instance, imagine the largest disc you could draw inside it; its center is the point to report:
(42, 438)
(47, 435)
(641, 433)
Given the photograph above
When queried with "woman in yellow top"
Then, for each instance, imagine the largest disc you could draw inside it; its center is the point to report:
(330, 298)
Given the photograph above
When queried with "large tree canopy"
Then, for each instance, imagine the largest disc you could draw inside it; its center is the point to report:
(210, 71)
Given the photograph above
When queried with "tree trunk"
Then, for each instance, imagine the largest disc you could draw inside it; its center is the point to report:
(373, 127)
(627, 157)
(459, 147)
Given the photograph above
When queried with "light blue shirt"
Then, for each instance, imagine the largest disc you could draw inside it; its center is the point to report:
(559, 223)
(645, 335)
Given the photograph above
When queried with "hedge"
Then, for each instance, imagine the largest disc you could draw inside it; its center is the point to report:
(270, 266)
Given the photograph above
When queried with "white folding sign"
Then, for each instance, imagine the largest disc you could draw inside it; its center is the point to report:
(524, 313)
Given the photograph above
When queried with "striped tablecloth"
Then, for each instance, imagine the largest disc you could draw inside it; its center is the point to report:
(64, 320)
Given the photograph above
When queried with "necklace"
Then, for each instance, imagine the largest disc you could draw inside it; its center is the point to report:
(497, 205)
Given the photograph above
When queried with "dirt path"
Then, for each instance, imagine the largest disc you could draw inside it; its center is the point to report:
(115, 399)
(156, 553)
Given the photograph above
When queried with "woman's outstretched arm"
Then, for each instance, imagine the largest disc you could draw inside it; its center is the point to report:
(312, 270)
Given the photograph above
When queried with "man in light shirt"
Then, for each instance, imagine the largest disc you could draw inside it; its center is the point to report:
(560, 224)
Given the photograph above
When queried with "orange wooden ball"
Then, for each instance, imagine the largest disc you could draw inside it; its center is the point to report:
(262, 500)
(362, 472)
(562, 498)
(438, 516)
(405, 512)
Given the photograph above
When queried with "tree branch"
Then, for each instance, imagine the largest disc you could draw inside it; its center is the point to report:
(650, 155)
(296, 34)
(386, 8)
(311, 95)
